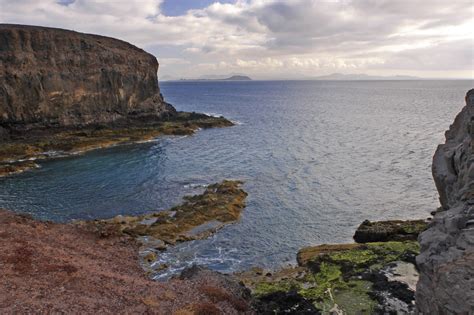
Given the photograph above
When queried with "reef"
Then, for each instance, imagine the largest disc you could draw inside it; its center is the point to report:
(18, 153)
(357, 278)
(198, 217)
(446, 261)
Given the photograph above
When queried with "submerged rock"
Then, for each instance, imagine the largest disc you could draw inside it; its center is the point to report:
(394, 230)
(16, 168)
(446, 261)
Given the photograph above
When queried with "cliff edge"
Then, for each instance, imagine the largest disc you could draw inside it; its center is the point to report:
(58, 78)
(446, 261)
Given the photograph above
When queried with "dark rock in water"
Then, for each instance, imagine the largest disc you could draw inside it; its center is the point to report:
(52, 77)
(384, 231)
(284, 303)
(446, 261)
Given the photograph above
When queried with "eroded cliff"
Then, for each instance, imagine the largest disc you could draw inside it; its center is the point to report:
(53, 77)
(446, 262)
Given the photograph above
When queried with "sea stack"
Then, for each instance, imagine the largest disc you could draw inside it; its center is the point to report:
(446, 261)
(58, 78)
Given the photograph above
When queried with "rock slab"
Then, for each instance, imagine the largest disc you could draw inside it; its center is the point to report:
(446, 261)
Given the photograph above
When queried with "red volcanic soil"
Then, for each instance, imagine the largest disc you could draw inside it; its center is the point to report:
(62, 268)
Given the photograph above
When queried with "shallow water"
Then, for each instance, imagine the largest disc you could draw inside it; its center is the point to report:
(317, 159)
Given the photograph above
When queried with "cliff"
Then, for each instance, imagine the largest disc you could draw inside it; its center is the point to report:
(66, 92)
(59, 78)
(446, 261)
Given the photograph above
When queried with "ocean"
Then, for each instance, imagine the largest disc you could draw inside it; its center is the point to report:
(317, 158)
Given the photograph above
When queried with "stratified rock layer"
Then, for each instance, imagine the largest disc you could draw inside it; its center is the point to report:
(53, 77)
(446, 262)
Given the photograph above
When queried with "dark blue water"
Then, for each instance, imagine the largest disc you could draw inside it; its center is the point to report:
(317, 158)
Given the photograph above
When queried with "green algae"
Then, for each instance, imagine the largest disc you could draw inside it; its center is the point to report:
(354, 298)
(333, 278)
(264, 288)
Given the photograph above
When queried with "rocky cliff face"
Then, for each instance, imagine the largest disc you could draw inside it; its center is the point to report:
(446, 262)
(52, 77)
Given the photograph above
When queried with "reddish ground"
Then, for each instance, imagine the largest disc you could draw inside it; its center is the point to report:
(61, 268)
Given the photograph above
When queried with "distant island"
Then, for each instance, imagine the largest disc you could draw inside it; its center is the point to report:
(229, 77)
(237, 78)
(362, 76)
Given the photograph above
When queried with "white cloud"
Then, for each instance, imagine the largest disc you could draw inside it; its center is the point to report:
(268, 38)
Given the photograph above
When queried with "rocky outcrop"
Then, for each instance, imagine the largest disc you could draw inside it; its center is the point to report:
(371, 278)
(198, 217)
(393, 230)
(53, 77)
(446, 262)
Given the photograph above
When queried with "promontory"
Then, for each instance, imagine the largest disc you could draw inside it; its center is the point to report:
(64, 91)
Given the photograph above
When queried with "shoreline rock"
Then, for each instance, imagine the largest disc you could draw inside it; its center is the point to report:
(394, 230)
(446, 261)
(356, 278)
(198, 217)
(17, 154)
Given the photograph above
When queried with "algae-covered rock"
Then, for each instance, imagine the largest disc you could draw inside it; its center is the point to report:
(41, 144)
(197, 217)
(394, 230)
(16, 168)
(340, 278)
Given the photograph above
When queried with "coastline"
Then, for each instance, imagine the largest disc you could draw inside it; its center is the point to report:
(19, 153)
(64, 93)
(365, 277)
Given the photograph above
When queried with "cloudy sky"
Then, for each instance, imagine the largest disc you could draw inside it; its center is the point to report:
(275, 39)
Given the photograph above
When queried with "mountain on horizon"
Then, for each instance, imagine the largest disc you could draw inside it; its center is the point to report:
(210, 77)
(362, 76)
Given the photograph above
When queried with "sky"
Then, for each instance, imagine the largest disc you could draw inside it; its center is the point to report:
(275, 39)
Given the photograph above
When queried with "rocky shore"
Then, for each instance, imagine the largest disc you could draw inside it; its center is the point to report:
(21, 152)
(92, 267)
(64, 92)
(358, 278)
(198, 217)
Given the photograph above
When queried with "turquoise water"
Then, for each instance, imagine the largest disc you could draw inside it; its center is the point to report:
(317, 158)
